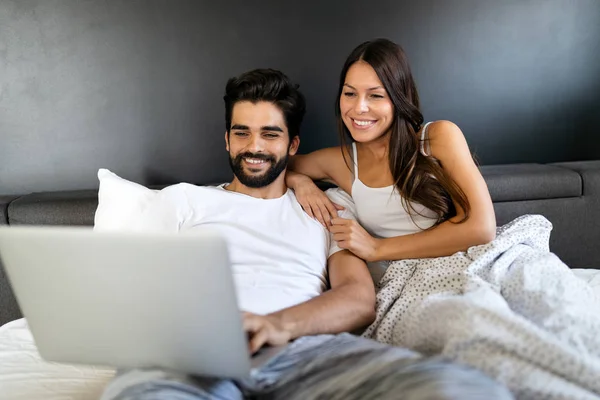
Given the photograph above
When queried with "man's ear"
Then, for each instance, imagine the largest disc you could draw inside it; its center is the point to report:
(227, 140)
(294, 145)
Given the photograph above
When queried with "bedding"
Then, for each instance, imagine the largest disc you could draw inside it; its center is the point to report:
(25, 376)
(509, 308)
(119, 201)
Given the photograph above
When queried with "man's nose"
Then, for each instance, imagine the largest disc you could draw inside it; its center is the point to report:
(256, 144)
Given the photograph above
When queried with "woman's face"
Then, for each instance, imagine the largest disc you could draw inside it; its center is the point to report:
(366, 108)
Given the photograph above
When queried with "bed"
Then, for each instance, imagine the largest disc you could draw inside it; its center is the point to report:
(24, 375)
(567, 194)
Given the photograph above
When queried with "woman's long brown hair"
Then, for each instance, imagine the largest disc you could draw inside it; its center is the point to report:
(418, 178)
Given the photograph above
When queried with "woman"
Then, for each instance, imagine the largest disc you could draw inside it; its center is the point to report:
(512, 309)
(416, 187)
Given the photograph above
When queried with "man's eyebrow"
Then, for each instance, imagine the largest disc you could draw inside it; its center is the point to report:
(272, 128)
(240, 127)
(373, 88)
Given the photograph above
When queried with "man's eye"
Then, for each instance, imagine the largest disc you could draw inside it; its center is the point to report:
(241, 134)
(271, 135)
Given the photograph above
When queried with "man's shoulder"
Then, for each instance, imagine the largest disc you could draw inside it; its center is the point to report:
(340, 197)
(338, 194)
(311, 223)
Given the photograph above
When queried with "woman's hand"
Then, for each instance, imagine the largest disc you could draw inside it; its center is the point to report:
(313, 200)
(351, 236)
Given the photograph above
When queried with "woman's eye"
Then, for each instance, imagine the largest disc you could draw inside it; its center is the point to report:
(348, 94)
(377, 96)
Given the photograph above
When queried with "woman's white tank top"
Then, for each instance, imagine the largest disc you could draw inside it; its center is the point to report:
(380, 210)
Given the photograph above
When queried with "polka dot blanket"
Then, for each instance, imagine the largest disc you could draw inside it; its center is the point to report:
(510, 308)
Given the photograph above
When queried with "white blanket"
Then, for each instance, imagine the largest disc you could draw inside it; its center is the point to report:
(509, 308)
(24, 375)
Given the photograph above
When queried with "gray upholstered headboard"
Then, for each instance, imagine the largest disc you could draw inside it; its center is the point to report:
(568, 194)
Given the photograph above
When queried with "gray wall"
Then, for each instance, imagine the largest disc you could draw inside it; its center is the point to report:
(136, 86)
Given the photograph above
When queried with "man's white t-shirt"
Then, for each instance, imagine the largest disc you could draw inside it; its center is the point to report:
(278, 253)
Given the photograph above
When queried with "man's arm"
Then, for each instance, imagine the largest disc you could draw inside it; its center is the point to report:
(347, 306)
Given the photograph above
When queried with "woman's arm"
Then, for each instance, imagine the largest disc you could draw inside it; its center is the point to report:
(312, 165)
(449, 146)
(326, 164)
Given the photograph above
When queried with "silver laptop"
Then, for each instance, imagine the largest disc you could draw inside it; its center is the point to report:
(129, 300)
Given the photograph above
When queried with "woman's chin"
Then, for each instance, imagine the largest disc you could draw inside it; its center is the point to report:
(366, 136)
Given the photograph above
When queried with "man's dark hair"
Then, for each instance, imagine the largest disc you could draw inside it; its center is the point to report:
(267, 85)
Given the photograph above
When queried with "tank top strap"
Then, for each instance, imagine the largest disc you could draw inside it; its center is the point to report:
(425, 147)
(355, 159)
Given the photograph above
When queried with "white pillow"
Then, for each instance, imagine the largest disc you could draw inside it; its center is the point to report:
(120, 202)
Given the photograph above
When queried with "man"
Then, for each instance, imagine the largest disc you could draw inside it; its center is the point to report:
(283, 261)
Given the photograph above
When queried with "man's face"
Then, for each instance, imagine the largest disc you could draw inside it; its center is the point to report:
(258, 143)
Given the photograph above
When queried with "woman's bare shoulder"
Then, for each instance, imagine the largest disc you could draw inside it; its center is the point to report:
(443, 129)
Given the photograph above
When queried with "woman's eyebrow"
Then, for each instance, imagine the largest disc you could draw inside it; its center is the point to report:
(373, 88)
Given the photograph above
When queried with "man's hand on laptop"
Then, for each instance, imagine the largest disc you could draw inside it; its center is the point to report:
(264, 329)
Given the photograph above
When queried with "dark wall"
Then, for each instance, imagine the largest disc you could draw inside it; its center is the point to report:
(136, 86)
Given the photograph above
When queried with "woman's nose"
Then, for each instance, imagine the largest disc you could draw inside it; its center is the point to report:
(361, 105)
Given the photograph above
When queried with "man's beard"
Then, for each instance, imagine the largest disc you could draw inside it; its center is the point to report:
(262, 180)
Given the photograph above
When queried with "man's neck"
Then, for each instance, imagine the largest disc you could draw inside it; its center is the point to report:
(273, 191)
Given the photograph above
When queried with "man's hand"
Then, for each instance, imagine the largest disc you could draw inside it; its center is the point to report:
(264, 329)
(351, 236)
